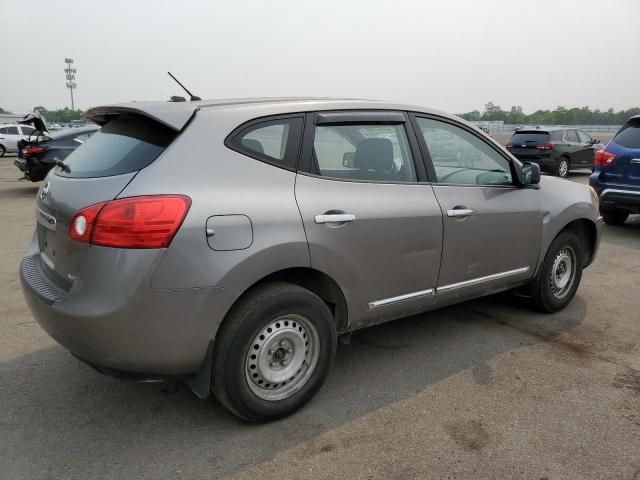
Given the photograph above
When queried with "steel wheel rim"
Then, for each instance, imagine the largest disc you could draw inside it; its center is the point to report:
(563, 272)
(282, 357)
(564, 168)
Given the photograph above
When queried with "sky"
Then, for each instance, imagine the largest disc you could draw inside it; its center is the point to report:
(450, 55)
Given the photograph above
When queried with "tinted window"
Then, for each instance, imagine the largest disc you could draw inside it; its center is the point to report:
(273, 141)
(629, 135)
(12, 131)
(26, 131)
(3, 131)
(373, 152)
(557, 135)
(523, 137)
(584, 138)
(124, 144)
(459, 157)
(571, 136)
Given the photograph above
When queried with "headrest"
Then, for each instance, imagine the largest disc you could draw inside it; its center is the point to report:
(374, 154)
(253, 144)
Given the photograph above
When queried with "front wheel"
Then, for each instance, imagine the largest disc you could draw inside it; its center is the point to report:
(562, 169)
(2, 150)
(273, 352)
(614, 217)
(560, 273)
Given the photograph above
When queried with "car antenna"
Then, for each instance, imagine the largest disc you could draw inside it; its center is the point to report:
(193, 97)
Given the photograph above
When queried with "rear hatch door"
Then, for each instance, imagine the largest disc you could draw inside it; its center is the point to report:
(625, 170)
(524, 144)
(96, 172)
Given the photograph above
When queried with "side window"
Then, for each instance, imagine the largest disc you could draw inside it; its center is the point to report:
(13, 131)
(556, 135)
(584, 138)
(372, 151)
(571, 136)
(459, 157)
(3, 131)
(26, 131)
(272, 141)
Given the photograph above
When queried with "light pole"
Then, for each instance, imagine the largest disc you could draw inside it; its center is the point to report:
(70, 74)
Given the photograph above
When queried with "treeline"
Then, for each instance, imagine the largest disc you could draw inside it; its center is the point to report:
(559, 116)
(62, 115)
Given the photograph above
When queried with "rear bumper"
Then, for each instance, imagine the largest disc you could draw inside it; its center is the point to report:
(121, 324)
(620, 199)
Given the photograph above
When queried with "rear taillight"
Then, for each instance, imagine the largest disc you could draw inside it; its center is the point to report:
(602, 158)
(546, 146)
(509, 145)
(30, 151)
(134, 222)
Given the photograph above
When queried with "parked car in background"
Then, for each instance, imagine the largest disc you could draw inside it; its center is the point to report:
(11, 134)
(35, 159)
(229, 243)
(616, 176)
(556, 149)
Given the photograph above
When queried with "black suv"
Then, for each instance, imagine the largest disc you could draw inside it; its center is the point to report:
(555, 149)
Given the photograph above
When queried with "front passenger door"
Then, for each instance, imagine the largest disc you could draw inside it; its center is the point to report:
(492, 228)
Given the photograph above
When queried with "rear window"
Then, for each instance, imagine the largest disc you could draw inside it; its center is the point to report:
(629, 135)
(522, 137)
(125, 144)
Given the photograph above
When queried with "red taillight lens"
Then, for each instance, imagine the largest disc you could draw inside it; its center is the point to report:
(602, 158)
(546, 146)
(134, 222)
(29, 151)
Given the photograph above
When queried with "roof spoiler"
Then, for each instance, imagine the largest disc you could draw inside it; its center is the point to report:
(173, 115)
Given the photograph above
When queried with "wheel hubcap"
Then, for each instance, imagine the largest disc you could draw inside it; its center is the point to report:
(564, 168)
(563, 272)
(282, 356)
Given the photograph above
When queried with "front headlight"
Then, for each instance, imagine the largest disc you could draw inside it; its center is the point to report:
(595, 197)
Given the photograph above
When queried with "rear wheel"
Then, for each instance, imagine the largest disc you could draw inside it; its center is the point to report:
(614, 217)
(562, 169)
(2, 150)
(273, 352)
(560, 274)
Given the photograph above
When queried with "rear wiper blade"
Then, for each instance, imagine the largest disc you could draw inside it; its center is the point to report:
(63, 165)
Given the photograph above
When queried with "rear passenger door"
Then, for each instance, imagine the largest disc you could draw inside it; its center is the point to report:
(371, 219)
(574, 148)
(492, 228)
(585, 155)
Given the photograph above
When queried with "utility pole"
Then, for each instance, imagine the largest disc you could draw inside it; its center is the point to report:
(70, 74)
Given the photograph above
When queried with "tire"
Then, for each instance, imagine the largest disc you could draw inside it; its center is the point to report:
(262, 341)
(614, 217)
(565, 254)
(562, 168)
(2, 150)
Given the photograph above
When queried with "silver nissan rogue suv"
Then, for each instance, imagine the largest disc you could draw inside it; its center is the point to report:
(229, 242)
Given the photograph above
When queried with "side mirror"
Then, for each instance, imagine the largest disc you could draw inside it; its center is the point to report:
(348, 159)
(530, 173)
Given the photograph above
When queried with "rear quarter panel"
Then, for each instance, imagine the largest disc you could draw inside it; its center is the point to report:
(220, 181)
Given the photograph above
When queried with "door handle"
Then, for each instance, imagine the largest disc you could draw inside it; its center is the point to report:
(460, 212)
(335, 218)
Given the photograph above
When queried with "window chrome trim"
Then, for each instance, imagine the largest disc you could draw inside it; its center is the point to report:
(400, 298)
(479, 280)
(614, 190)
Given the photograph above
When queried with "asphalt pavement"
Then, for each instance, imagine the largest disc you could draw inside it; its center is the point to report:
(485, 389)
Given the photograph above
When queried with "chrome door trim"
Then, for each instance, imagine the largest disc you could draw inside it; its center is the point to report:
(45, 219)
(479, 280)
(400, 298)
(337, 218)
(634, 160)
